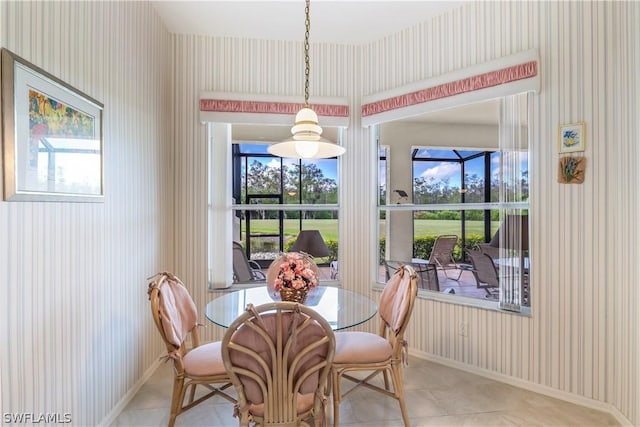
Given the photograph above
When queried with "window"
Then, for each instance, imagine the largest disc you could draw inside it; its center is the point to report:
(272, 200)
(269, 182)
(465, 176)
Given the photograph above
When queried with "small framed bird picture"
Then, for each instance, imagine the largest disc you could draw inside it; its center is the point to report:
(401, 196)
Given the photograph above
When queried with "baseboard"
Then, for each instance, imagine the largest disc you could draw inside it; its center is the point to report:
(537, 388)
(113, 414)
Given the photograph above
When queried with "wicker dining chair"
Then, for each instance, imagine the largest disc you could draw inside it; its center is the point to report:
(175, 316)
(378, 353)
(279, 356)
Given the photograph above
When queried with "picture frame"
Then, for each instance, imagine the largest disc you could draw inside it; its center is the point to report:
(572, 169)
(51, 136)
(572, 137)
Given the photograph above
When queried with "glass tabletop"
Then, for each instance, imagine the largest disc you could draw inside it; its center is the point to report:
(340, 307)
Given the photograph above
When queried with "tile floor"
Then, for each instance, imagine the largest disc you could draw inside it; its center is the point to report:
(436, 396)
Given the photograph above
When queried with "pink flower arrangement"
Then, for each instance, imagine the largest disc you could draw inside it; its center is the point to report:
(296, 272)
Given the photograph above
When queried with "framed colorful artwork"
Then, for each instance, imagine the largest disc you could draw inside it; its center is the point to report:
(571, 138)
(51, 137)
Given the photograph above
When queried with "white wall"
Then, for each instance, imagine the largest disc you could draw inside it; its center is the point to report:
(582, 338)
(75, 326)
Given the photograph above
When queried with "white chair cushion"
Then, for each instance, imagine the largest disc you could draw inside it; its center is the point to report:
(205, 360)
(361, 347)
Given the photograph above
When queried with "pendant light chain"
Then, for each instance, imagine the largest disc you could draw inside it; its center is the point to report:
(307, 66)
(306, 140)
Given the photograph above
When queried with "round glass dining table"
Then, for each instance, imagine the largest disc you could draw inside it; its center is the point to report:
(340, 307)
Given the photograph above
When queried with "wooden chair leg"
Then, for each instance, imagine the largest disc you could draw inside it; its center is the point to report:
(385, 374)
(244, 420)
(335, 382)
(396, 376)
(176, 399)
(192, 392)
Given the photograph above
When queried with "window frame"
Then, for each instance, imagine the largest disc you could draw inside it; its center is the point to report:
(221, 205)
(503, 206)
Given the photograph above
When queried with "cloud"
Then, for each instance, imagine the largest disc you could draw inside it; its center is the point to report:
(274, 164)
(442, 170)
(523, 163)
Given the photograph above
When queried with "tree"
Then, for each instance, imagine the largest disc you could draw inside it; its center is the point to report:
(262, 179)
(303, 182)
(474, 184)
(309, 180)
(432, 190)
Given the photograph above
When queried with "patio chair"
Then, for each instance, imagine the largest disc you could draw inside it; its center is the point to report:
(244, 269)
(383, 352)
(279, 356)
(485, 272)
(427, 274)
(492, 248)
(391, 266)
(175, 316)
(513, 234)
(487, 248)
(442, 255)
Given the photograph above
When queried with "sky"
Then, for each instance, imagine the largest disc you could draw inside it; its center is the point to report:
(451, 170)
(328, 166)
(438, 170)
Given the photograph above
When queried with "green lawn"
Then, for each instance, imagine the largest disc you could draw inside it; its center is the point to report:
(436, 227)
(329, 227)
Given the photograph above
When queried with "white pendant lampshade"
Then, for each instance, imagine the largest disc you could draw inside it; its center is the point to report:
(306, 126)
(306, 141)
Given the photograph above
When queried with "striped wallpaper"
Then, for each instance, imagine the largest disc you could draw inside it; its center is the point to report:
(582, 338)
(75, 326)
(581, 341)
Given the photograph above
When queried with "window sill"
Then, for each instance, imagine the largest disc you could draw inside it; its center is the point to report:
(464, 301)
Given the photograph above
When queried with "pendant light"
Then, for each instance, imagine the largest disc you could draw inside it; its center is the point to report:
(306, 141)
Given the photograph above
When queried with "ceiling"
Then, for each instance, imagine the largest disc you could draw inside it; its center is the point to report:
(332, 21)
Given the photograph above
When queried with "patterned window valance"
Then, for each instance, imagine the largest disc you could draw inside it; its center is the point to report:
(246, 108)
(504, 76)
